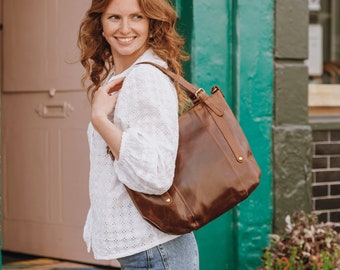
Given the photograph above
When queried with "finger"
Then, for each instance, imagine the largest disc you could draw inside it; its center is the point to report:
(115, 85)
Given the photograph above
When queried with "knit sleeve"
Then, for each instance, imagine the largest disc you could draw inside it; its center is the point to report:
(147, 109)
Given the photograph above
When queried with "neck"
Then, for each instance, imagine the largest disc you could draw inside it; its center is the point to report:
(121, 67)
(123, 62)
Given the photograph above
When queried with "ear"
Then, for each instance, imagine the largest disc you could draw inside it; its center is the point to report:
(151, 37)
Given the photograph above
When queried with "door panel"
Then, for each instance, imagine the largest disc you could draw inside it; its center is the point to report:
(40, 188)
(66, 50)
(26, 45)
(40, 49)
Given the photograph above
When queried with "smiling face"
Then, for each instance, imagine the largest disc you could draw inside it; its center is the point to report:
(126, 29)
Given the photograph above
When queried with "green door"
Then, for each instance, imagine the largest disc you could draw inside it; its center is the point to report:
(230, 42)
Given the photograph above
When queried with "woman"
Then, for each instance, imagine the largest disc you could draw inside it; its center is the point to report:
(139, 125)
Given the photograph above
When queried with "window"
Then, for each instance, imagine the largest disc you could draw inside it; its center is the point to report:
(324, 57)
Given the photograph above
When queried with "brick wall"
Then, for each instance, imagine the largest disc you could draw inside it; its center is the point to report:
(326, 175)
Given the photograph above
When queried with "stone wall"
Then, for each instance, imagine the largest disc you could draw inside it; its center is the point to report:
(291, 131)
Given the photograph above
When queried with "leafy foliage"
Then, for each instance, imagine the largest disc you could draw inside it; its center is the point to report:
(305, 244)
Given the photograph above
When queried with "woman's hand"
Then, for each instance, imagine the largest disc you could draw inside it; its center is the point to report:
(103, 103)
(105, 98)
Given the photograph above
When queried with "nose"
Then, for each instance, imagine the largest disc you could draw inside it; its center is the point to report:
(125, 26)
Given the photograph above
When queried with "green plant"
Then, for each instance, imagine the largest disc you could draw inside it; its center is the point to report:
(305, 244)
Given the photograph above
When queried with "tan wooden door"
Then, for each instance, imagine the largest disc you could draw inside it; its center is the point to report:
(45, 114)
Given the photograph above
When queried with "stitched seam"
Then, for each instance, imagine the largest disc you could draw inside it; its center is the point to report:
(164, 257)
(148, 259)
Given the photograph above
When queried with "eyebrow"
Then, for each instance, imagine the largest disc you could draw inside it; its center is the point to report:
(116, 13)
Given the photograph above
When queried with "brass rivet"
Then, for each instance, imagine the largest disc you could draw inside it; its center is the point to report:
(240, 158)
(168, 200)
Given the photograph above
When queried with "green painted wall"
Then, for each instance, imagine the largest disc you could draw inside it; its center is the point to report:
(254, 86)
(210, 65)
(231, 45)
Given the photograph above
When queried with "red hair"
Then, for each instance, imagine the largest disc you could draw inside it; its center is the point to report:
(96, 54)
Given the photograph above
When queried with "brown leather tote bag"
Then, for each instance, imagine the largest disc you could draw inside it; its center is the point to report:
(215, 168)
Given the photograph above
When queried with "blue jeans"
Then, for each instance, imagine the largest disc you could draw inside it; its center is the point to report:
(178, 254)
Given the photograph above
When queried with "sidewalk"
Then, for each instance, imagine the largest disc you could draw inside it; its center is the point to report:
(26, 262)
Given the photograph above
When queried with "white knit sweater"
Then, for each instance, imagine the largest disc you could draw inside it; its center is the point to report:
(147, 113)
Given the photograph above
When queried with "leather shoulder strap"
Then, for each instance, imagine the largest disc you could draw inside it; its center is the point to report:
(184, 84)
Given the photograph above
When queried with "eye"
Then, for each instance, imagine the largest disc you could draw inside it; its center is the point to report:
(137, 17)
(114, 18)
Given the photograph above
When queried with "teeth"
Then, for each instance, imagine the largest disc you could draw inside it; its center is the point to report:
(125, 39)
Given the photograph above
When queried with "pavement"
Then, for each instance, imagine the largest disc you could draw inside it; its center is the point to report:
(12, 261)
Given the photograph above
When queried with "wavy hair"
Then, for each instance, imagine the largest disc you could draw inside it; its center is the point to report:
(165, 41)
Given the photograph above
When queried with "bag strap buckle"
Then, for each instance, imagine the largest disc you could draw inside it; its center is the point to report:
(199, 90)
